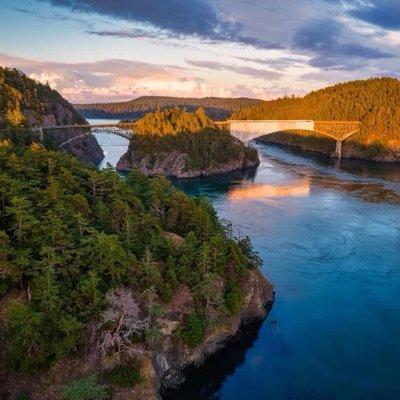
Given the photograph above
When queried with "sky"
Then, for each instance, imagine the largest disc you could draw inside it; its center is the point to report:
(116, 50)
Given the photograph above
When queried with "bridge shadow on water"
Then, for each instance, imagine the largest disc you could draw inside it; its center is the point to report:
(205, 381)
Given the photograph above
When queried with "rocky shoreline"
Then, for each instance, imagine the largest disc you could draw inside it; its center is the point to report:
(173, 165)
(164, 365)
(350, 149)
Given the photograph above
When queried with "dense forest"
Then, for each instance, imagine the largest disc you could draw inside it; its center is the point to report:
(82, 248)
(191, 139)
(375, 102)
(216, 108)
(24, 101)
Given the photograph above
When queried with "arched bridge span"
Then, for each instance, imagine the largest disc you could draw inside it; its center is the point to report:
(124, 130)
(247, 130)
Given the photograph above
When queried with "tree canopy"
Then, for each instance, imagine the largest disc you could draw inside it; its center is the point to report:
(73, 238)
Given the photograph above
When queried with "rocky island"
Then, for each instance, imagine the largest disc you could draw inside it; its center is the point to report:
(179, 144)
(28, 103)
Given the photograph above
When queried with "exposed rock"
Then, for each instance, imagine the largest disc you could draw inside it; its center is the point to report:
(162, 363)
(32, 104)
(174, 165)
(85, 149)
(171, 358)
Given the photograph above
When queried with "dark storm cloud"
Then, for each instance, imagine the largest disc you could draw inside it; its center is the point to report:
(196, 18)
(334, 46)
(253, 72)
(383, 13)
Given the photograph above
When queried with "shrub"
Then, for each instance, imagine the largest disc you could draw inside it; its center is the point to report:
(86, 388)
(125, 375)
(233, 299)
(193, 332)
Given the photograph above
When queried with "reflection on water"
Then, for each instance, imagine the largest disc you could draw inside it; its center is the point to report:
(264, 192)
(330, 241)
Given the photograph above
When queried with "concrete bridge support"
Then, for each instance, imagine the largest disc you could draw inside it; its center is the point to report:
(338, 150)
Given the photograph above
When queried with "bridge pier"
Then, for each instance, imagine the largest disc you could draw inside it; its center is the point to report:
(338, 150)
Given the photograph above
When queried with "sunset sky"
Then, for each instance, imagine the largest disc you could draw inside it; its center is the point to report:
(111, 50)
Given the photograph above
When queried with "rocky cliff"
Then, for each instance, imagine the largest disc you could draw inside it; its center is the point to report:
(176, 165)
(164, 363)
(25, 102)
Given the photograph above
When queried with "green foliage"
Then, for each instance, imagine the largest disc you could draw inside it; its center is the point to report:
(20, 94)
(23, 396)
(374, 102)
(86, 388)
(233, 299)
(194, 135)
(215, 107)
(126, 375)
(25, 336)
(70, 234)
(194, 328)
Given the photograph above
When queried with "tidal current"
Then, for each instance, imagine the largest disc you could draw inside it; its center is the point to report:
(329, 237)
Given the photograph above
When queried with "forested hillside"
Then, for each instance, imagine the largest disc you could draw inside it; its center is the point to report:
(215, 107)
(89, 267)
(375, 102)
(24, 101)
(182, 144)
(27, 103)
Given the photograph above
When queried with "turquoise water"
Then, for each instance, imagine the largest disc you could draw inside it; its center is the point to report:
(329, 236)
(330, 241)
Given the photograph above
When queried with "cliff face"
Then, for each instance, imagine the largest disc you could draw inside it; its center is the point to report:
(25, 102)
(175, 165)
(163, 364)
(85, 149)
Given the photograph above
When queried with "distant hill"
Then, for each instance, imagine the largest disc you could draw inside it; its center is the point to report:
(216, 108)
(26, 102)
(375, 102)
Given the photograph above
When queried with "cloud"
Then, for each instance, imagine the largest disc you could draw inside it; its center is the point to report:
(243, 70)
(382, 13)
(278, 63)
(128, 34)
(179, 18)
(335, 46)
(106, 80)
(120, 80)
